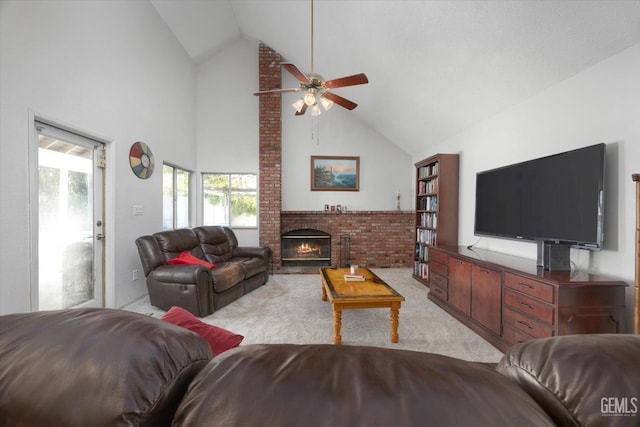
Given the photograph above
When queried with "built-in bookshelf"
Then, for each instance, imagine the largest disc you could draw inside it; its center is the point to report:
(436, 208)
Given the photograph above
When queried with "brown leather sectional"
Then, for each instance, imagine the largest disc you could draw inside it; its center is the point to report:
(102, 367)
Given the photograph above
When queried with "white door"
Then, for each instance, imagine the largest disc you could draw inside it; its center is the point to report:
(70, 254)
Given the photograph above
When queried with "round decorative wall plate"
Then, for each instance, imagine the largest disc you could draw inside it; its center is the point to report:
(141, 160)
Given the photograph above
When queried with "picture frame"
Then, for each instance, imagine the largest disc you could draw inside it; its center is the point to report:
(335, 173)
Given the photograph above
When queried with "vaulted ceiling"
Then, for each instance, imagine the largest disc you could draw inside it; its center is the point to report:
(435, 68)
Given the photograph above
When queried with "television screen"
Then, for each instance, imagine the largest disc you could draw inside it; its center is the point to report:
(555, 198)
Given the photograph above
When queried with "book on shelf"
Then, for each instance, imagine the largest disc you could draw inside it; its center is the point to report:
(430, 186)
(354, 277)
(429, 203)
(421, 270)
(428, 170)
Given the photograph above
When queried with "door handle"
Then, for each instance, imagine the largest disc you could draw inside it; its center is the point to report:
(99, 236)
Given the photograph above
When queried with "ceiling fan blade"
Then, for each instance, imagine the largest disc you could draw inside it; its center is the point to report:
(356, 79)
(343, 102)
(276, 91)
(302, 110)
(302, 78)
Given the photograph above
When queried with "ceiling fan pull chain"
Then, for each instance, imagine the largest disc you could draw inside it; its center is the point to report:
(312, 36)
(317, 90)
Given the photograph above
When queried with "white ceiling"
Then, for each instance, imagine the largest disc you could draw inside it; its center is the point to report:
(435, 68)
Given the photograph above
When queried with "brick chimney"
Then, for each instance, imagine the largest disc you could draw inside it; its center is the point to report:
(270, 145)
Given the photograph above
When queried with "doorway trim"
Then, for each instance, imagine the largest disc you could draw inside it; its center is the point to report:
(108, 296)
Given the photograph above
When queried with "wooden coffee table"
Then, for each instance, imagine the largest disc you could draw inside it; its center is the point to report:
(373, 292)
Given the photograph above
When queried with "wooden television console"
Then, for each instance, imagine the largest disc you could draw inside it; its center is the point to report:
(508, 299)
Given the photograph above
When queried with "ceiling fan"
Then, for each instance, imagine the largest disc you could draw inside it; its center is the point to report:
(316, 89)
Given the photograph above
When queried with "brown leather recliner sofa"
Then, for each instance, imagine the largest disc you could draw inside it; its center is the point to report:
(106, 368)
(199, 289)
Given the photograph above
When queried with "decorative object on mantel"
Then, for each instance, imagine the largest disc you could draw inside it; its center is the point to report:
(398, 199)
(141, 160)
(345, 251)
(335, 208)
(335, 173)
(316, 89)
(636, 316)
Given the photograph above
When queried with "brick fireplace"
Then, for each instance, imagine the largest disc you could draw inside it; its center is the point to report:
(377, 238)
(306, 247)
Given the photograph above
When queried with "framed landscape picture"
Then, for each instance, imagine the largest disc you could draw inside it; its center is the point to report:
(335, 173)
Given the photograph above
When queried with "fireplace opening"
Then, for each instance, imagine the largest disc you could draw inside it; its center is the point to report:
(306, 247)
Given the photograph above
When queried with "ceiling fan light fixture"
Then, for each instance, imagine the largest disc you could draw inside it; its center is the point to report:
(326, 103)
(310, 98)
(298, 105)
(315, 110)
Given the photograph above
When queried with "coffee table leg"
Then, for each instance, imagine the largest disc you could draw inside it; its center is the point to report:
(395, 313)
(324, 293)
(337, 325)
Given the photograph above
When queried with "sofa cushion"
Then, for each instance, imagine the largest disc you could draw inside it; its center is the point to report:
(188, 259)
(219, 339)
(226, 275)
(94, 367)
(251, 266)
(173, 242)
(214, 242)
(328, 385)
(581, 380)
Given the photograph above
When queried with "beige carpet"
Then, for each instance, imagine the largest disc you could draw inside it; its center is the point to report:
(289, 309)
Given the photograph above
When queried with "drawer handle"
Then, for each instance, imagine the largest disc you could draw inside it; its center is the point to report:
(520, 322)
(482, 270)
(525, 285)
(525, 305)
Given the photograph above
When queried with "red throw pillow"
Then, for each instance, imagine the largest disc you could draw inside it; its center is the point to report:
(218, 338)
(186, 258)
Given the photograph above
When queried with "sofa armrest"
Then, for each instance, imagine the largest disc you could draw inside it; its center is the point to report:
(253, 252)
(580, 380)
(182, 274)
(94, 367)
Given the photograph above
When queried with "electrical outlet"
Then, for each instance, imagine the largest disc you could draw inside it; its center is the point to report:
(135, 274)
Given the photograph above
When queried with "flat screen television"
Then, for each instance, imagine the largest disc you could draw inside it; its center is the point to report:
(558, 199)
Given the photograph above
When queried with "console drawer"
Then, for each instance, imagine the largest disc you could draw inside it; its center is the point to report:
(526, 324)
(438, 280)
(438, 268)
(441, 294)
(441, 257)
(528, 286)
(529, 306)
(514, 336)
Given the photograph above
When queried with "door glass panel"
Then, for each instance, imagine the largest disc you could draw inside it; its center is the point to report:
(65, 242)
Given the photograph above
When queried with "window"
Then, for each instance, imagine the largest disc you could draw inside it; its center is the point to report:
(175, 197)
(230, 199)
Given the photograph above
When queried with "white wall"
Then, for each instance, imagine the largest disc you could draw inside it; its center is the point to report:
(114, 69)
(384, 168)
(601, 104)
(228, 117)
(228, 140)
